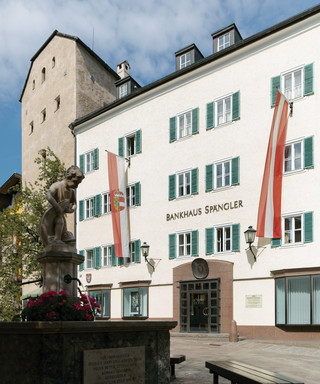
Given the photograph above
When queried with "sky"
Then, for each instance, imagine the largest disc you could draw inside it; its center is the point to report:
(146, 33)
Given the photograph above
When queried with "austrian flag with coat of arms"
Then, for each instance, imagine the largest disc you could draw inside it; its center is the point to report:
(117, 186)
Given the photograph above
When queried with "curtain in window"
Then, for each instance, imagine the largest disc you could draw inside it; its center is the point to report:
(316, 299)
(299, 300)
(280, 301)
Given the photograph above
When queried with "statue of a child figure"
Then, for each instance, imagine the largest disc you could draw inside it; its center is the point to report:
(62, 199)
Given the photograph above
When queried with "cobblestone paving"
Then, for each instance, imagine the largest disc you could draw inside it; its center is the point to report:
(299, 360)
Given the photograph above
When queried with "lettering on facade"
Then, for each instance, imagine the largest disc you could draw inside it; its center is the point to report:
(208, 209)
(114, 366)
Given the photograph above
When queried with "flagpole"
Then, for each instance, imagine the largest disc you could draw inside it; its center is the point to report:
(121, 157)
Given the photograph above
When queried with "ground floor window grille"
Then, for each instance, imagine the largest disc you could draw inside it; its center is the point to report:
(200, 306)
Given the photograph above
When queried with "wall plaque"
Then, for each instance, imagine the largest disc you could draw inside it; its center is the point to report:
(114, 366)
(253, 301)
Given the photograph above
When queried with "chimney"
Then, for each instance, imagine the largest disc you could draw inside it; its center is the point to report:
(123, 69)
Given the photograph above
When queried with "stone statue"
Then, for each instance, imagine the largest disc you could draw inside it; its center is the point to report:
(62, 199)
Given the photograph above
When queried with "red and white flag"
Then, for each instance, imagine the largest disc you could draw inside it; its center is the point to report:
(117, 186)
(269, 214)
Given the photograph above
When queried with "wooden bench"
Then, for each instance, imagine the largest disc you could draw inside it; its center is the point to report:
(241, 373)
(176, 359)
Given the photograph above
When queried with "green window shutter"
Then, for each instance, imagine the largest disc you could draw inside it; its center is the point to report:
(137, 188)
(308, 152)
(81, 163)
(209, 177)
(138, 142)
(308, 79)
(81, 266)
(194, 243)
(137, 258)
(172, 129)
(235, 170)
(121, 146)
(172, 187)
(81, 210)
(120, 260)
(209, 241)
(210, 115)
(236, 237)
(96, 158)
(97, 205)
(275, 82)
(236, 106)
(275, 243)
(113, 256)
(194, 181)
(308, 227)
(172, 246)
(97, 257)
(195, 121)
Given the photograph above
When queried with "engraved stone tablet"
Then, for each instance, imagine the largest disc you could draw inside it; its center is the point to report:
(253, 301)
(114, 366)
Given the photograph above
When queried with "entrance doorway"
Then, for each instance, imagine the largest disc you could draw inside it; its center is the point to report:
(200, 306)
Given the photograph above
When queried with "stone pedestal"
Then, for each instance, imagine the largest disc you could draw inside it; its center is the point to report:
(55, 266)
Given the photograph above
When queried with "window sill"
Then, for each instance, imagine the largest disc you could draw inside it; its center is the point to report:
(134, 317)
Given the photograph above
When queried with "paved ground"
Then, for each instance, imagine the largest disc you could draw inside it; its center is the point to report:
(299, 360)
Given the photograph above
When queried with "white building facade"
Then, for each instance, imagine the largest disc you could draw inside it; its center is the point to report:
(197, 142)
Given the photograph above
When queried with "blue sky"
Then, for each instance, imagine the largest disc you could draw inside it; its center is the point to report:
(147, 33)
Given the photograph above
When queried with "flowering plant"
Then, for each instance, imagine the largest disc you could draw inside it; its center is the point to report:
(53, 306)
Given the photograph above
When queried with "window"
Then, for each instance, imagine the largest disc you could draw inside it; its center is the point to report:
(222, 174)
(103, 299)
(43, 74)
(88, 208)
(89, 258)
(89, 161)
(296, 229)
(223, 238)
(223, 110)
(298, 300)
(57, 102)
(53, 62)
(130, 144)
(183, 244)
(43, 115)
(135, 302)
(107, 256)
(184, 125)
(298, 155)
(33, 84)
(133, 195)
(134, 251)
(106, 203)
(224, 41)
(183, 184)
(294, 84)
(185, 60)
(123, 90)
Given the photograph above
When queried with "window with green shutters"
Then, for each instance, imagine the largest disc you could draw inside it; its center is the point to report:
(296, 229)
(90, 207)
(298, 155)
(133, 195)
(183, 125)
(222, 174)
(134, 251)
(89, 161)
(293, 84)
(131, 144)
(223, 110)
(81, 266)
(184, 244)
(185, 183)
(221, 239)
(97, 257)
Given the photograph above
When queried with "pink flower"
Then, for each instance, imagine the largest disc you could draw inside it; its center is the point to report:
(98, 310)
(51, 315)
(89, 317)
(63, 293)
(87, 307)
(31, 304)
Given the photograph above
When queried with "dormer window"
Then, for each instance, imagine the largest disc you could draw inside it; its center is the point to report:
(123, 90)
(185, 60)
(224, 41)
